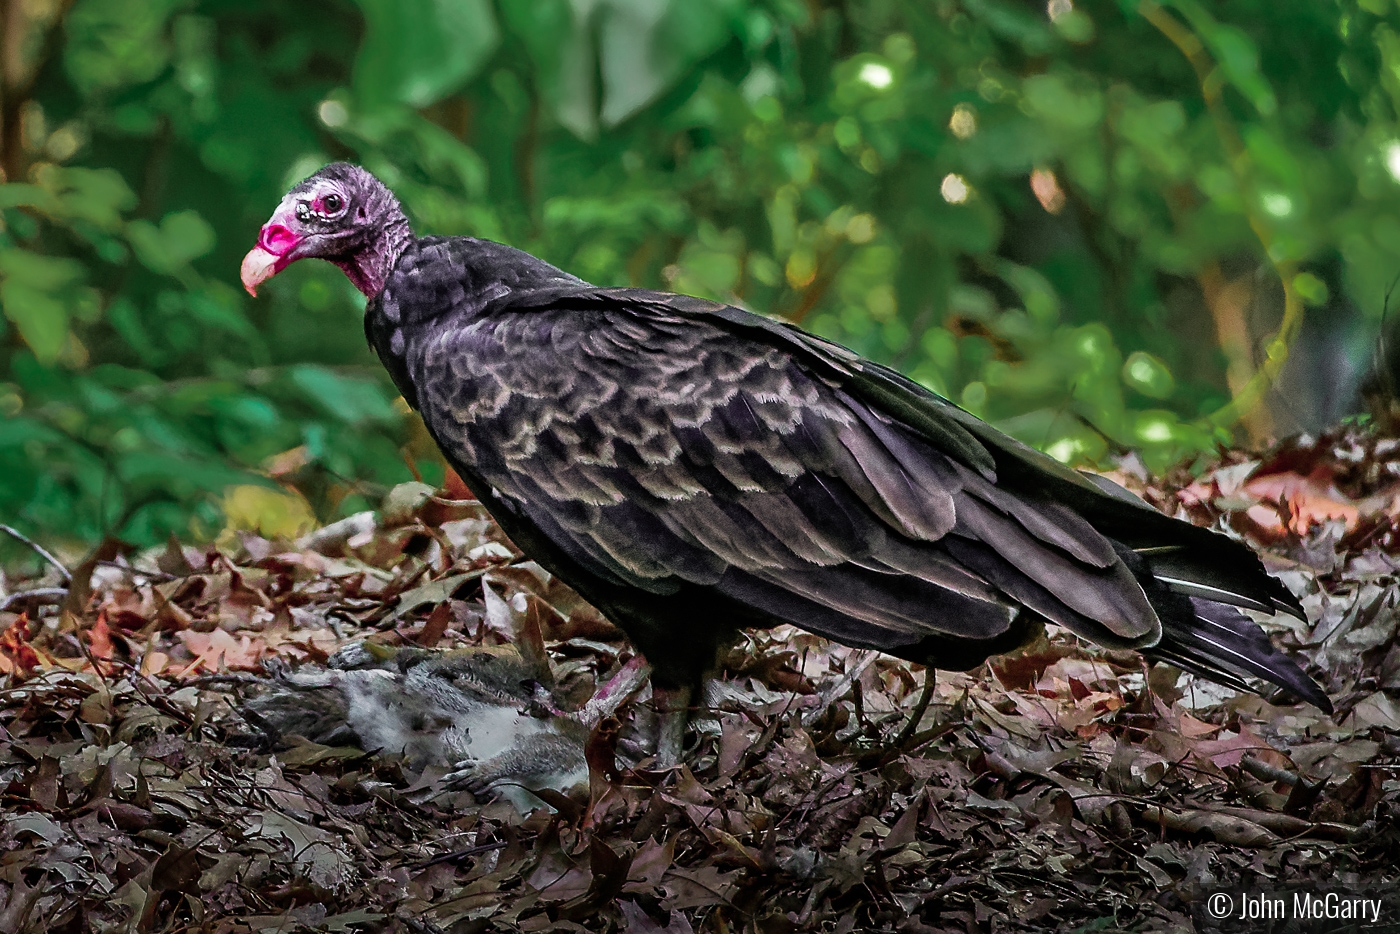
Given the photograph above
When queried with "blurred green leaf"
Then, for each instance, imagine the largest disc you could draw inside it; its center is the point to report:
(97, 196)
(39, 295)
(180, 238)
(636, 48)
(1311, 288)
(112, 44)
(561, 49)
(351, 400)
(1239, 60)
(417, 51)
(645, 45)
(1148, 375)
(1055, 99)
(41, 318)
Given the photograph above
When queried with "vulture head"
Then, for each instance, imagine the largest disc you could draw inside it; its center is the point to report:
(342, 214)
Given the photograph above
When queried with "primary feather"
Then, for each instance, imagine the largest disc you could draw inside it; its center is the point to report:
(692, 468)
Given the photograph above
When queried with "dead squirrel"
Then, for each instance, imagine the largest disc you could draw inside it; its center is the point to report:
(483, 712)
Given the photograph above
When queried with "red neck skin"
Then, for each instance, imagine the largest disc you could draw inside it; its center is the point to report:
(369, 268)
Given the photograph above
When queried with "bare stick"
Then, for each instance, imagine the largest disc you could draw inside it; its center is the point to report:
(38, 549)
(834, 692)
(39, 595)
(925, 697)
(233, 678)
(460, 854)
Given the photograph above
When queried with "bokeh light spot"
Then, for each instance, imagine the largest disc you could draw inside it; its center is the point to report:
(1392, 160)
(954, 189)
(1277, 204)
(876, 75)
(963, 123)
(333, 113)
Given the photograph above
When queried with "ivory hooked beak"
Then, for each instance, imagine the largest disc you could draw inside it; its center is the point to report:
(276, 241)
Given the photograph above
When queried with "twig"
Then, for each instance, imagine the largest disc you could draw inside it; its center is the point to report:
(525, 155)
(1267, 773)
(925, 698)
(17, 77)
(834, 692)
(40, 594)
(38, 549)
(827, 266)
(459, 854)
(931, 734)
(203, 680)
(1228, 302)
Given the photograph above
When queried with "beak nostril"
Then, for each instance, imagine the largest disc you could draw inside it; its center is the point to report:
(277, 239)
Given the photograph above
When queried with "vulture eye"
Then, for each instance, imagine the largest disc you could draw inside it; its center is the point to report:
(332, 203)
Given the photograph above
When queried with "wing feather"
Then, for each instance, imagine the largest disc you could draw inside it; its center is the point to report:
(680, 453)
(1110, 597)
(1053, 523)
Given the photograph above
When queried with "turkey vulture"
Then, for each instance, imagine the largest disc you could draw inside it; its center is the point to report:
(691, 469)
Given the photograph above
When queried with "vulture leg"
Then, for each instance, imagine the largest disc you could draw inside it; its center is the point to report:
(672, 715)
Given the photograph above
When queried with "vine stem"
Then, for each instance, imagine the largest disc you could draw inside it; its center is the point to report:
(1212, 85)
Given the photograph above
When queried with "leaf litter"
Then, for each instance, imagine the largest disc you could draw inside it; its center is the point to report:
(1063, 787)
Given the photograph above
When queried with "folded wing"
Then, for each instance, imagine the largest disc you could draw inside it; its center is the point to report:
(663, 450)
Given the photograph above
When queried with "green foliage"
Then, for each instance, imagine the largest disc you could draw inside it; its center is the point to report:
(416, 51)
(1004, 200)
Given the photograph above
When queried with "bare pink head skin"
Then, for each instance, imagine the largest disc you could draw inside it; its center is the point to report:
(342, 214)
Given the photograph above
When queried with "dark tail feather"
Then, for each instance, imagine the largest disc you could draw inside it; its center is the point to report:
(1219, 642)
(1201, 563)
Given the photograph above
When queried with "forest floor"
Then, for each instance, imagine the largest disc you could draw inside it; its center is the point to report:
(1062, 788)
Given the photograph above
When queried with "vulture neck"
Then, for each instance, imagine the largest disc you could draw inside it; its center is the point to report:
(369, 269)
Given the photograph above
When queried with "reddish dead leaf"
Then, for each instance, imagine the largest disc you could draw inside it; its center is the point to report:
(775, 828)
(1223, 828)
(1310, 500)
(217, 650)
(79, 588)
(904, 829)
(1198, 493)
(435, 626)
(1267, 524)
(650, 865)
(703, 886)
(17, 656)
(1021, 669)
(46, 785)
(153, 662)
(99, 640)
(1230, 747)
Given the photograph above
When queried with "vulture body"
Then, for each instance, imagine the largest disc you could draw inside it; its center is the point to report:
(692, 468)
